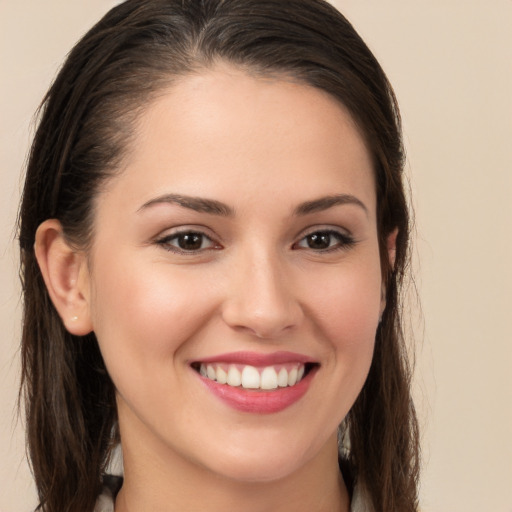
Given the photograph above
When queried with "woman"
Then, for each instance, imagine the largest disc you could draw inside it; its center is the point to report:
(213, 236)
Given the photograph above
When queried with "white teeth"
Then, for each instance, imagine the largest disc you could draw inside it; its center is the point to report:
(210, 372)
(234, 377)
(222, 376)
(269, 378)
(250, 377)
(282, 378)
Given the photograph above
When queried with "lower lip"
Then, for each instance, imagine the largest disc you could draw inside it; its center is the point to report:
(259, 402)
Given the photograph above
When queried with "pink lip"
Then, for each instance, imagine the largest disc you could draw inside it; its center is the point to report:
(257, 359)
(259, 402)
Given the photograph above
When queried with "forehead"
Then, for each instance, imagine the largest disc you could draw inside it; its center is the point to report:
(224, 132)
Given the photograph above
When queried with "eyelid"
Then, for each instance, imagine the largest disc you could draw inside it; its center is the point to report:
(324, 228)
(185, 228)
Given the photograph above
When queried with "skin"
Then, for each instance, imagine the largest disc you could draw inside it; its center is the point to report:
(262, 147)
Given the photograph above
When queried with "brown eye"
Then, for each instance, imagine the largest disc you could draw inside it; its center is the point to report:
(186, 242)
(328, 240)
(319, 241)
(189, 241)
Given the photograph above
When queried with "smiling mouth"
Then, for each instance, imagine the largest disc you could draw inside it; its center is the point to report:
(255, 378)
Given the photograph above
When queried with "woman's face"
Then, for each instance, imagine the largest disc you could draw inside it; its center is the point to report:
(240, 242)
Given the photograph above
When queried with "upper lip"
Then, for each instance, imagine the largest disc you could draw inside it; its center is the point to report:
(257, 359)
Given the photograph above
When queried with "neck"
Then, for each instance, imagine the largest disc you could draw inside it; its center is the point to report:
(162, 481)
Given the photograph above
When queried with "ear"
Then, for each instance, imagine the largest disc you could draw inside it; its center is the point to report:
(391, 250)
(66, 276)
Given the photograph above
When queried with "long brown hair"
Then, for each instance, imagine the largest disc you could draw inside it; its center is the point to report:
(85, 127)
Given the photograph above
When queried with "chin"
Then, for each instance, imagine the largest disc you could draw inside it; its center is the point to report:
(258, 469)
(262, 461)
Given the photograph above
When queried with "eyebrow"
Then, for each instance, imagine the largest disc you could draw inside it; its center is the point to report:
(211, 206)
(324, 203)
(198, 204)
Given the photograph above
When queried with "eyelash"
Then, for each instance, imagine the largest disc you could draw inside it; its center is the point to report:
(343, 241)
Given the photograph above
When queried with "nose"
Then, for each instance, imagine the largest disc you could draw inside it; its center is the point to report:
(262, 298)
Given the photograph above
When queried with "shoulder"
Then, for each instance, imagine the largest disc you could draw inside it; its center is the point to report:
(360, 502)
(111, 486)
(105, 502)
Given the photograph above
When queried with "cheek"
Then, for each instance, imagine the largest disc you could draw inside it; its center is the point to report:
(347, 313)
(348, 307)
(143, 317)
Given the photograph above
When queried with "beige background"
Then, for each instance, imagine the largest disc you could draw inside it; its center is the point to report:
(451, 65)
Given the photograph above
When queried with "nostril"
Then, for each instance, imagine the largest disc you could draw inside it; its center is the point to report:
(261, 300)
(262, 325)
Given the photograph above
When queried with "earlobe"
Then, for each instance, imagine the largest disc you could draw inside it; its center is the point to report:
(65, 274)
